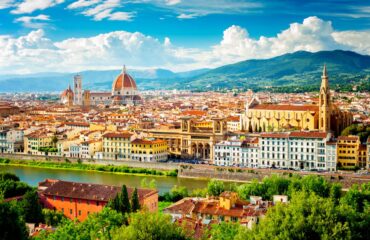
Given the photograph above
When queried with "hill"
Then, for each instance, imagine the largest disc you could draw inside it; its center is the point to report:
(290, 70)
(293, 72)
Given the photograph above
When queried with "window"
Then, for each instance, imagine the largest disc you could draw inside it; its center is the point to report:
(70, 211)
(79, 212)
(97, 203)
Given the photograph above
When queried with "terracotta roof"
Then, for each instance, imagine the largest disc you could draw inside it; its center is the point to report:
(117, 135)
(123, 81)
(147, 141)
(286, 107)
(308, 134)
(90, 191)
(348, 138)
(275, 135)
(194, 113)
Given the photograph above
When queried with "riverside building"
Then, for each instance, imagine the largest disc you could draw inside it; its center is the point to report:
(294, 150)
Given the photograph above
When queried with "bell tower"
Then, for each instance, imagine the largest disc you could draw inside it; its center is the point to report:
(77, 83)
(324, 102)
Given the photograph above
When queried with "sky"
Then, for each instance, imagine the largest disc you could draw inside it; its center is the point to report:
(180, 35)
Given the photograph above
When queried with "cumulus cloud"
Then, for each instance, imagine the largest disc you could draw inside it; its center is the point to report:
(29, 6)
(34, 52)
(33, 22)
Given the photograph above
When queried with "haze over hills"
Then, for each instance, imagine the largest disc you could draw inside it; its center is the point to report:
(290, 70)
(294, 69)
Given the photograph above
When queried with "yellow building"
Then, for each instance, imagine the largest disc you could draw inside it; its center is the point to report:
(362, 156)
(195, 139)
(117, 146)
(35, 141)
(324, 116)
(149, 150)
(348, 151)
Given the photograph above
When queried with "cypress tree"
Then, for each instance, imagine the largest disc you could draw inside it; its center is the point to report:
(135, 204)
(125, 202)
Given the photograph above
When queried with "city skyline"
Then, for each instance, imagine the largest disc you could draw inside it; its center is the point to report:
(61, 36)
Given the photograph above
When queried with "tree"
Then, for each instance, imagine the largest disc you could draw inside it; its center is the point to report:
(177, 193)
(11, 224)
(125, 204)
(307, 216)
(225, 231)
(149, 226)
(96, 226)
(8, 176)
(135, 204)
(215, 187)
(52, 217)
(31, 207)
(153, 184)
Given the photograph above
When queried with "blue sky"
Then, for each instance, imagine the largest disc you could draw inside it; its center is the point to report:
(185, 34)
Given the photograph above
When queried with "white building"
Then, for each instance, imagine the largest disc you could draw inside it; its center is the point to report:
(295, 150)
(11, 140)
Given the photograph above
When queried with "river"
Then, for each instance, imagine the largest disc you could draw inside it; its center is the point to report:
(33, 176)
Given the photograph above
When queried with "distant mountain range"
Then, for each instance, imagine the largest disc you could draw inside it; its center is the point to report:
(299, 69)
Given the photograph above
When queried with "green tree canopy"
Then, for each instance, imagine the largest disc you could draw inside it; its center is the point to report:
(12, 225)
(215, 187)
(149, 226)
(31, 207)
(135, 204)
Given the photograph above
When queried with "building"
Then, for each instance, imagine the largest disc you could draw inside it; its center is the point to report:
(195, 139)
(323, 116)
(241, 153)
(149, 150)
(293, 150)
(11, 140)
(77, 100)
(117, 146)
(124, 92)
(35, 141)
(78, 200)
(67, 97)
(362, 156)
(348, 151)
(228, 207)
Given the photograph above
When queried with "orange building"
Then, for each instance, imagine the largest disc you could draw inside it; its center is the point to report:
(78, 200)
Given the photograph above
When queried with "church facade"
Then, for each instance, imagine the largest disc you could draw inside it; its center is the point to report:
(124, 92)
(325, 116)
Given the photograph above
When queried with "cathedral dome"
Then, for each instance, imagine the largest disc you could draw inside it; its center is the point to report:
(67, 92)
(124, 82)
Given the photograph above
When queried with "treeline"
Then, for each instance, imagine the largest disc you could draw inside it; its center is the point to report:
(359, 130)
(90, 167)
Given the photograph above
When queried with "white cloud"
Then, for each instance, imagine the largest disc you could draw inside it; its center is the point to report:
(187, 16)
(29, 6)
(36, 53)
(33, 22)
(83, 3)
(6, 3)
(101, 9)
(172, 2)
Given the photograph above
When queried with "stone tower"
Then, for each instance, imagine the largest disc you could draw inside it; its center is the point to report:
(77, 89)
(324, 103)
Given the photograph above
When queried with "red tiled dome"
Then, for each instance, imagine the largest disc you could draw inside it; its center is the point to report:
(124, 81)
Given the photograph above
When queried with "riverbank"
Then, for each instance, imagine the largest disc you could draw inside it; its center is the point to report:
(89, 167)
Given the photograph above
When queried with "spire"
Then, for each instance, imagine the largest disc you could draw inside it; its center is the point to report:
(324, 73)
(324, 78)
(124, 69)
